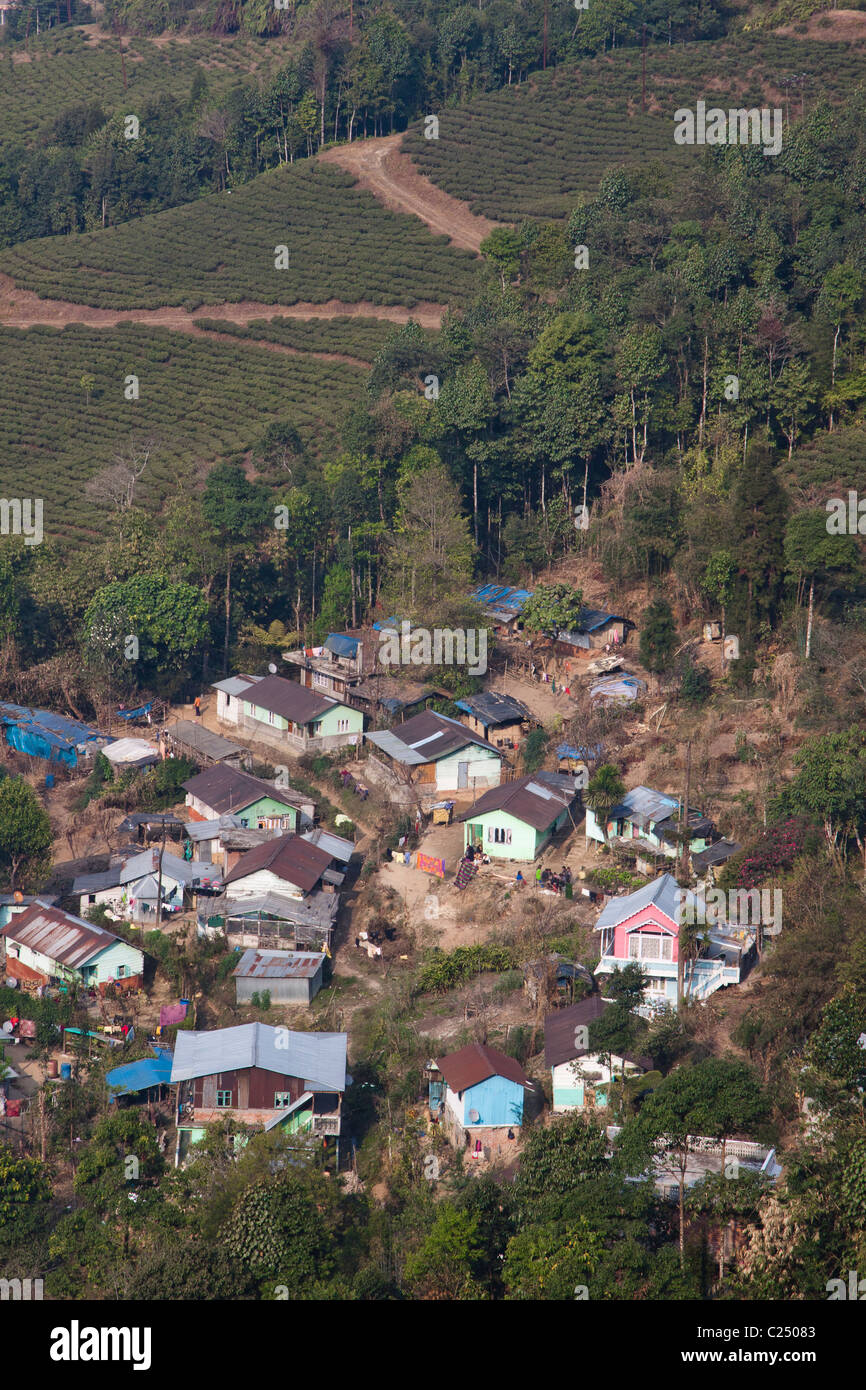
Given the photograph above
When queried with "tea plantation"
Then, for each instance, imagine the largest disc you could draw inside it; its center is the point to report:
(198, 399)
(357, 337)
(341, 244)
(530, 150)
(62, 69)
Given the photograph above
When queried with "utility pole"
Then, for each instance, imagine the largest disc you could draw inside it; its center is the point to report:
(643, 74)
(159, 882)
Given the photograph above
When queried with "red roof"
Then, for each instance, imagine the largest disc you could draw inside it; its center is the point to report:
(475, 1063)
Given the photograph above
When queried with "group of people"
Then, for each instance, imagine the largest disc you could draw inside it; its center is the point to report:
(476, 854)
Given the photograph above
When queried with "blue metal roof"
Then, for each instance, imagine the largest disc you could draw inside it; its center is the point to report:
(502, 599)
(587, 753)
(139, 1076)
(341, 644)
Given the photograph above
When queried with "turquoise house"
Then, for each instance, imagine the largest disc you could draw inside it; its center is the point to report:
(646, 820)
(516, 820)
(45, 944)
(483, 1090)
(287, 714)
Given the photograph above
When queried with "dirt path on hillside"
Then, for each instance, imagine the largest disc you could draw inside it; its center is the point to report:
(24, 309)
(381, 166)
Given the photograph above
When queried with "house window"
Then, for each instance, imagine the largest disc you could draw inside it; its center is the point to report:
(272, 718)
(228, 701)
(499, 836)
(282, 1099)
(121, 971)
(224, 1100)
(650, 946)
(342, 726)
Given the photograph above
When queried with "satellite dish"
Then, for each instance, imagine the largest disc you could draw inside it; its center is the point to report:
(474, 1117)
(7, 1026)
(272, 668)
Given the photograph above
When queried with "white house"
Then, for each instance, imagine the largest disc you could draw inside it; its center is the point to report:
(438, 755)
(581, 1075)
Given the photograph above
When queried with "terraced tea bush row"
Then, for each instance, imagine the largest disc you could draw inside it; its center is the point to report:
(61, 71)
(63, 414)
(341, 244)
(358, 337)
(529, 150)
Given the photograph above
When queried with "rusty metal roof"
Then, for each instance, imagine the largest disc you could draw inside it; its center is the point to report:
(278, 965)
(58, 935)
(475, 1063)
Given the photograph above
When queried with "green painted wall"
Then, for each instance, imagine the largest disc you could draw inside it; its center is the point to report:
(327, 725)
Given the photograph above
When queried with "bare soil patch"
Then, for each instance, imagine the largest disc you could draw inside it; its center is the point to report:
(381, 166)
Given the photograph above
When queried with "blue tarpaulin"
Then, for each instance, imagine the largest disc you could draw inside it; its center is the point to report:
(141, 1075)
(138, 713)
(341, 644)
(45, 735)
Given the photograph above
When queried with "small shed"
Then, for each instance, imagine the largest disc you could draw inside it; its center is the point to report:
(290, 977)
(443, 812)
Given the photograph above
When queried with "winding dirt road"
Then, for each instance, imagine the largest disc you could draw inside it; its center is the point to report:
(381, 166)
(378, 165)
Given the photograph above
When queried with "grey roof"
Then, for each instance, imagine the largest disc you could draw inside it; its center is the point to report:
(315, 910)
(426, 737)
(278, 965)
(715, 854)
(643, 804)
(318, 1059)
(183, 870)
(537, 799)
(235, 685)
(202, 740)
(492, 708)
(663, 892)
(201, 830)
(97, 883)
(335, 845)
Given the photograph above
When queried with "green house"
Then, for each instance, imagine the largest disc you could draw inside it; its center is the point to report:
(223, 790)
(517, 820)
(287, 714)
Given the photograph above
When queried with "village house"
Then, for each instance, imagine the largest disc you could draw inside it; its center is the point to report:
(594, 630)
(435, 754)
(518, 819)
(476, 1093)
(646, 821)
(582, 1076)
(286, 865)
(289, 977)
(45, 945)
(644, 926)
(130, 889)
(260, 1076)
(500, 719)
(337, 666)
(54, 737)
(229, 692)
(287, 716)
(502, 604)
(258, 804)
(189, 739)
(271, 921)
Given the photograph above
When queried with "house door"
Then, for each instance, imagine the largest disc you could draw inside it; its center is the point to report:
(462, 775)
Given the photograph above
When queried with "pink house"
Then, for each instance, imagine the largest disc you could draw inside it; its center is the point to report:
(644, 927)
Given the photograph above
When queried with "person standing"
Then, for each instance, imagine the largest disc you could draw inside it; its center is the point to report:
(197, 706)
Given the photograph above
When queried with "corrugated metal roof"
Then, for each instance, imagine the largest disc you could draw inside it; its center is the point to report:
(395, 748)
(58, 935)
(202, 740)
(493, 708)
(139, 1076)
(227, 789)
(475, 1063)
(288, 857)
(57, 729)
(560, 1031)
(131, 751)
(317, 1059)
(290, 700)
(278, 965)
(537, 799)
(335, 845)
(426, 737)
(203, 830)
(235, 685)
(663, 893)
(315, 910)
(183, 870)
(643, 805)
